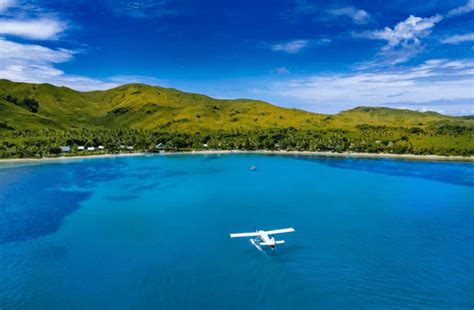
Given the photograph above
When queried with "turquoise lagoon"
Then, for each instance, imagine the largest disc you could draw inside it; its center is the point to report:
(151, 232)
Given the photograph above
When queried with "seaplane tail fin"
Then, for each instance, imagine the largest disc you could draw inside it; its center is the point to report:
(240, 235)
(280, 231)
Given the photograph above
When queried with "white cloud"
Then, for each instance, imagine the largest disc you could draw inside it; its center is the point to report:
(141, 8)
(41, 29)
(295, 46)
(468, 7)
(458, 38)
(290, 47)
(281, 70)
(407, 32)
(35, 63)
(357, 16)
(12, 52)
(6, 4)
(403, 40)
(435, 80)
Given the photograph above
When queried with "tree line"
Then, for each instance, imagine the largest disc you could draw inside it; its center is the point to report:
(443, 140)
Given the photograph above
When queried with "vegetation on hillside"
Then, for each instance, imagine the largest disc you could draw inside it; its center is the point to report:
(36, 119)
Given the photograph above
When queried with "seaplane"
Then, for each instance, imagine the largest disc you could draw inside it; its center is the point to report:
(263, 237)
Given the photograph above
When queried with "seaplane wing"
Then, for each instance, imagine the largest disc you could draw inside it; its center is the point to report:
(249, 234)
(280, 231)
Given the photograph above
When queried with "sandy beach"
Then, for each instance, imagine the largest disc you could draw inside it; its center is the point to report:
(289, 153)
(332, 154)
(64, 158)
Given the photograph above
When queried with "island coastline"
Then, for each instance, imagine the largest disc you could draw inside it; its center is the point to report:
(263, 152)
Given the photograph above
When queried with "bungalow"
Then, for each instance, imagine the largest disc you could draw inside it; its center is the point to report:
(65, 149)
(130, 148)
(91, 148)
(101, 147)
(81, 148)
(159, 146)
(204, 145)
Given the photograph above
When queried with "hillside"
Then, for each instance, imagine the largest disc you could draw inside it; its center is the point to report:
(141, 106)
(191, 120)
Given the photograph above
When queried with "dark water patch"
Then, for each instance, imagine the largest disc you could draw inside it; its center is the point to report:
(29, 209)
(447, 172)
(133, 191)
(122, 197)
(145, 171)
(86, 175)
(146, 186)
(173, 173)
(34, 200)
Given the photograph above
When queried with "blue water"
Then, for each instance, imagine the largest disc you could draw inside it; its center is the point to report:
(152, 233)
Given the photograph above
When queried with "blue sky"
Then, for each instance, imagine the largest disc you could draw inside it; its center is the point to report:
(322, 56)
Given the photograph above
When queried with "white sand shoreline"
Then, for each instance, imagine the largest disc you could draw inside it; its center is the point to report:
(217, 152)
(332, 154)
(65, 158)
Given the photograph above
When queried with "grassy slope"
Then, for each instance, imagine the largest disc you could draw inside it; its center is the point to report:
(141, 106)
(148, 107)
(12, 116)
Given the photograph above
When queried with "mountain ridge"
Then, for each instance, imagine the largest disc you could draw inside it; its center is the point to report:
(142, 106)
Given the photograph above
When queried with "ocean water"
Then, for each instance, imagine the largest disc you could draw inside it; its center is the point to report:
(151, 232)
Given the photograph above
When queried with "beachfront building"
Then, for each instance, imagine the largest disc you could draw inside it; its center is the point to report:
(91, 148)
(81, 148)
(65, 149)
(130, 148)
(101, 147)
(159, 146)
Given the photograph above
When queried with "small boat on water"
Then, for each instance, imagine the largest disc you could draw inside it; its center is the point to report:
(253, 168)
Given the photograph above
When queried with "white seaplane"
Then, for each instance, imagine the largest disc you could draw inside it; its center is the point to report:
(263, 237)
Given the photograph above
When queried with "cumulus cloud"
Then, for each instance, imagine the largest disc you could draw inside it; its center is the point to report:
(290, 47)
(404, 40)
(468, 7)
(407, 32)
(434, 80)
(357, 16)
(458, 38)
(40, 29)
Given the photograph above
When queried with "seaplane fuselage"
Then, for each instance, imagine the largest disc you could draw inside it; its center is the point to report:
(265, 238)
(262, 237)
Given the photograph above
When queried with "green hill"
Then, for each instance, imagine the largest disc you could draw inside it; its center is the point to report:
(27, 108)
(141, 106)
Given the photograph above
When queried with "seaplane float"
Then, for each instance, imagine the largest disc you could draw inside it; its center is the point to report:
(263, 238)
